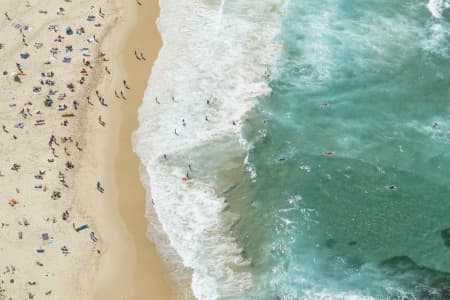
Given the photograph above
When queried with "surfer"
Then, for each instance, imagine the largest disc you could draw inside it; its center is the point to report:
(392, 187)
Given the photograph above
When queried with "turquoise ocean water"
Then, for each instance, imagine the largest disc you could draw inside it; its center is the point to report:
(333, 180)
(367, 81)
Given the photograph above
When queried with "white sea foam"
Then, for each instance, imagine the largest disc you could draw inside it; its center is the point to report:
(438, 34)
(217, 51)
(437, 7)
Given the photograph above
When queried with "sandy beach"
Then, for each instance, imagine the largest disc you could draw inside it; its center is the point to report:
(72, 206)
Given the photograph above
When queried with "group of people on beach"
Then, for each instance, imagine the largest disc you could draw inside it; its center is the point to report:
(44, 112)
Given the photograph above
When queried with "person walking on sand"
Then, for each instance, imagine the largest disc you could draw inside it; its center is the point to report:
(100, 188)
(102, 101)
(125, 85)
(135, 54)
(88, 100)
(100, 121)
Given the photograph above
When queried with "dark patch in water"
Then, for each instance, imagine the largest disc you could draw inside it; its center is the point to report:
(330, 243)
(427, 283)
(445, 234)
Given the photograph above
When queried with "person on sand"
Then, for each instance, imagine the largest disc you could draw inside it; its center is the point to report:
(102, 101)
(123, 96)
(142, 56)
(100, 188)
(125, 85)
(135, 54)
(100, 121)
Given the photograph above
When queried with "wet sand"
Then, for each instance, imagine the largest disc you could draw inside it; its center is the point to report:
(150, 276)
(142, 271)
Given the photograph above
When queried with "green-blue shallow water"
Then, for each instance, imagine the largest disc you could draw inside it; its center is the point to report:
(368, 83)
